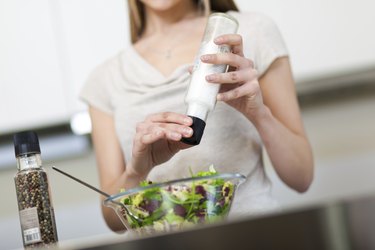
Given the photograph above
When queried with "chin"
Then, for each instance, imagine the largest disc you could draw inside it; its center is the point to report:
(162, 5)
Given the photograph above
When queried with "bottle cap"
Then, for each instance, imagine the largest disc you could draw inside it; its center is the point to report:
(198, 129)
(26, 143)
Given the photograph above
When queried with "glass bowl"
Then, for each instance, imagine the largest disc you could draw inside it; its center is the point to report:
(177, 204)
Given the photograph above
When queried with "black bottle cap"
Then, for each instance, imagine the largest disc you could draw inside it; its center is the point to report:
(198, 128)
(26, 143)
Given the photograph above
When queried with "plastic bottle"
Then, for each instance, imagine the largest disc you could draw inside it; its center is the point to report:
(201, 95)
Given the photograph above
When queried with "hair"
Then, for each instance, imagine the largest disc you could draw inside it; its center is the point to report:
(137, 17)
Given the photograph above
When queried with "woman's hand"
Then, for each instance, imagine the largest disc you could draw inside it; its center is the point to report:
(157, 139)
(240, 86)
(273, 109)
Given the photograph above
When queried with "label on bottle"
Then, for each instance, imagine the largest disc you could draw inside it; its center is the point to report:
(30, 225)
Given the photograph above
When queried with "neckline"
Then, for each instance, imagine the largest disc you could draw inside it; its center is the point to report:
(147, 64)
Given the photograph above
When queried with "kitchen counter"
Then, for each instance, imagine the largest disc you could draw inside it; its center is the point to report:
(344, 224)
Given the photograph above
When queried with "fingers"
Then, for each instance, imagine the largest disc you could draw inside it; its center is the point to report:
(167, 125)
(190, 69)
(233, 40)
(143, 140)
(170, 117)
(169, 122)
(235, 59)
(239, 76)
(231, 59)
(250, 89)
(171, 131)
(156, 135)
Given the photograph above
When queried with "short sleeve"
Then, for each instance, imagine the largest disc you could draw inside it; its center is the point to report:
(262, 39)
(269, 44)
(96, 90)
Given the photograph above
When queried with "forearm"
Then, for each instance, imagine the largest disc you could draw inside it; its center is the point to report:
(125, 181)
(289, 152)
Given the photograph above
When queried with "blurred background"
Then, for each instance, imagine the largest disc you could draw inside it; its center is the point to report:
(48, 48)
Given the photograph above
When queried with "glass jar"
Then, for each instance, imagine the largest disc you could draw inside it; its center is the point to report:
(36, 212)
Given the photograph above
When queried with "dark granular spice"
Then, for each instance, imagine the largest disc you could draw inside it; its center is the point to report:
(34, 202)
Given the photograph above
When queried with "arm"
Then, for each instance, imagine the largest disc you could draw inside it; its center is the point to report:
(281, 129)
(157, 139)
(110, 162)
(270, 104)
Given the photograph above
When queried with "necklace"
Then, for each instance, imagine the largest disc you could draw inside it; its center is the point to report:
(167, 53)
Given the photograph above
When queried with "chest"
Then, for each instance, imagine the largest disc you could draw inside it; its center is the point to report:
(168, 53)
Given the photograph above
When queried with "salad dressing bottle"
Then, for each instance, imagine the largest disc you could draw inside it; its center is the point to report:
(201, 95)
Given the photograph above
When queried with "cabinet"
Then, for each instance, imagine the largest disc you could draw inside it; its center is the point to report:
(47, 50)
(31, 80)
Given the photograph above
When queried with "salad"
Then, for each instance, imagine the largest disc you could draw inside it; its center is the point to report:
(180, 205)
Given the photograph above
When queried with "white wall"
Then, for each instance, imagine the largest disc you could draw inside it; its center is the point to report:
(48, 48)
(31, 82)
(323, 37)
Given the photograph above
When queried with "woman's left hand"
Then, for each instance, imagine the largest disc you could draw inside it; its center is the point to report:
(240, 86)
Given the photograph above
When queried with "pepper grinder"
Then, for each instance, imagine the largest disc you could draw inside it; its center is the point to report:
(36, 212)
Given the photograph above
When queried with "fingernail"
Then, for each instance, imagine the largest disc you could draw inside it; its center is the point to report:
(210, 77)
(187, 121)
(219, 97)
(205, 57)
(188, 131)
(218, 40)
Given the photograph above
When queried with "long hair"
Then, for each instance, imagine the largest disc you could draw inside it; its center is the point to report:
(137, 18)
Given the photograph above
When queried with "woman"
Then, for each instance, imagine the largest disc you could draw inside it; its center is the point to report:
(136, 103)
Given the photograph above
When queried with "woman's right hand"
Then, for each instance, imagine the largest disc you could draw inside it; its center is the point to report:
(157, 140)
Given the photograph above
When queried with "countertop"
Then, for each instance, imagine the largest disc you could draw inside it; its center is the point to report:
(342, 224)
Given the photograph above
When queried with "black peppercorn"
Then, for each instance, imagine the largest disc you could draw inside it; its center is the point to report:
(33, 194)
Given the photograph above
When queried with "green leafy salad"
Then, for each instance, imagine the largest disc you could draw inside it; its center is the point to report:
(180, 205)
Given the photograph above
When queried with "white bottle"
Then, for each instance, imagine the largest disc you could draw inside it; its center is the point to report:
(201, 95)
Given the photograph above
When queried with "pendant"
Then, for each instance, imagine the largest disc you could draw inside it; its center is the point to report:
(168, 54)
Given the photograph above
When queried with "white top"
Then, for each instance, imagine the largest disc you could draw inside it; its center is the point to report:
(130, 88)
